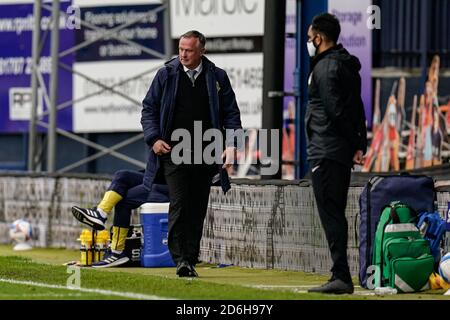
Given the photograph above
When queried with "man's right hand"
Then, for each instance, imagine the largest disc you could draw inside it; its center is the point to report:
(160, 147)
(359, 158)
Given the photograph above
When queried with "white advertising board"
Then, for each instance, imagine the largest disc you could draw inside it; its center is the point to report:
(107, 111)
(217, 18)
(246, 76)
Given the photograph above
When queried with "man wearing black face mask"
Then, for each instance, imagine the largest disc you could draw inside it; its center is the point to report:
(336, 133)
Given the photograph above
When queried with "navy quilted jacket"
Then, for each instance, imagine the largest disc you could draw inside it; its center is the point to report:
(159, 105)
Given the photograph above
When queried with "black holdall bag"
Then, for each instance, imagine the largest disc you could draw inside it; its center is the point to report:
(133, 246)
(416, 190)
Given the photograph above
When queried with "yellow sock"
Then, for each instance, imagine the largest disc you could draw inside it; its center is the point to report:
(109, 200)
(118, 238)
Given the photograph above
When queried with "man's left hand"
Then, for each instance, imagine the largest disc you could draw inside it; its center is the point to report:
(229, 155)
(358, 158)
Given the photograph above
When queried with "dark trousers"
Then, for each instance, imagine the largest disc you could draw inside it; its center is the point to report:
(128, 183)
(189, 187)
(331, 181)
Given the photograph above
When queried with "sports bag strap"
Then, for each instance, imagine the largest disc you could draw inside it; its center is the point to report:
(394, 215)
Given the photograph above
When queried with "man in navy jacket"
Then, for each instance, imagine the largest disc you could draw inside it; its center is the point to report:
(189, 89)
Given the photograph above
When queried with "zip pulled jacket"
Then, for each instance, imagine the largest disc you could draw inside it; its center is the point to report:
(159, 106)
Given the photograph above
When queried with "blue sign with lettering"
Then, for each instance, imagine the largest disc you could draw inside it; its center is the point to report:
(147, 32)
(16, 28)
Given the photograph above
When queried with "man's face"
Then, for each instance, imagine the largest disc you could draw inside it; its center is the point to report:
(190, 52)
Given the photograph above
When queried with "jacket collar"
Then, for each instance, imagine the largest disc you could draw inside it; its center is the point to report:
(174, 64)
(322, 55)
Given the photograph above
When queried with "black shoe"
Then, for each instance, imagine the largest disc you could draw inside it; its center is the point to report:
(193, 272)
(111, 260)
(91, 217)
(184, 269)
(336, 286)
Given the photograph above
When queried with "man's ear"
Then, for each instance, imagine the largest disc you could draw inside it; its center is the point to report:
(320, 36)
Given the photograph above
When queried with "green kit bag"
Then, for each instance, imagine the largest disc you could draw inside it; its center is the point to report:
(402, 255)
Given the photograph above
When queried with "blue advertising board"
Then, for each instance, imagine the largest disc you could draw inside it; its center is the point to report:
(147, 32)
(16, 28)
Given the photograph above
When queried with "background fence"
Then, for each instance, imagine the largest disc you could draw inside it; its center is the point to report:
(256, 224)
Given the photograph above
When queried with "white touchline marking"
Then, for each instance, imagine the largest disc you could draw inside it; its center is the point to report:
(99, 291)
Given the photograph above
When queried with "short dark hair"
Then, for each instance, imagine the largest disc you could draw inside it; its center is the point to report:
(328, 25)
(195, 34)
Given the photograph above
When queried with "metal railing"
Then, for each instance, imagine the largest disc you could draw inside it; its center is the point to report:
(50, 98)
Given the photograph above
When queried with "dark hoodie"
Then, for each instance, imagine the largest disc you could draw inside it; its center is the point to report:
(335, 119)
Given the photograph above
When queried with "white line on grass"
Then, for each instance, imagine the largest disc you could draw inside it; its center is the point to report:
(130, 295)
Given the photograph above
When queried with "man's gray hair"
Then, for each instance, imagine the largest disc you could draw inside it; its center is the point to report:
(196, 34)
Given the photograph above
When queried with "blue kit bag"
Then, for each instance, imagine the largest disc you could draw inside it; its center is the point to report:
(432, 227)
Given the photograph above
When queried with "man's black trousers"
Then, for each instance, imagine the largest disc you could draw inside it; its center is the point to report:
(189, 187)
(331, 181)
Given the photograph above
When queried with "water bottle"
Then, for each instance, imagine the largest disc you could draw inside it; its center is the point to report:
(86, 247)
(101, 244)
(381, 291)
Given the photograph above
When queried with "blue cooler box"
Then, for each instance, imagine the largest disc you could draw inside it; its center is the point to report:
(154, 220)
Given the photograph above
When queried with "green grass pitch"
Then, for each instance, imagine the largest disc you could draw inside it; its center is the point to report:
(40, 274)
